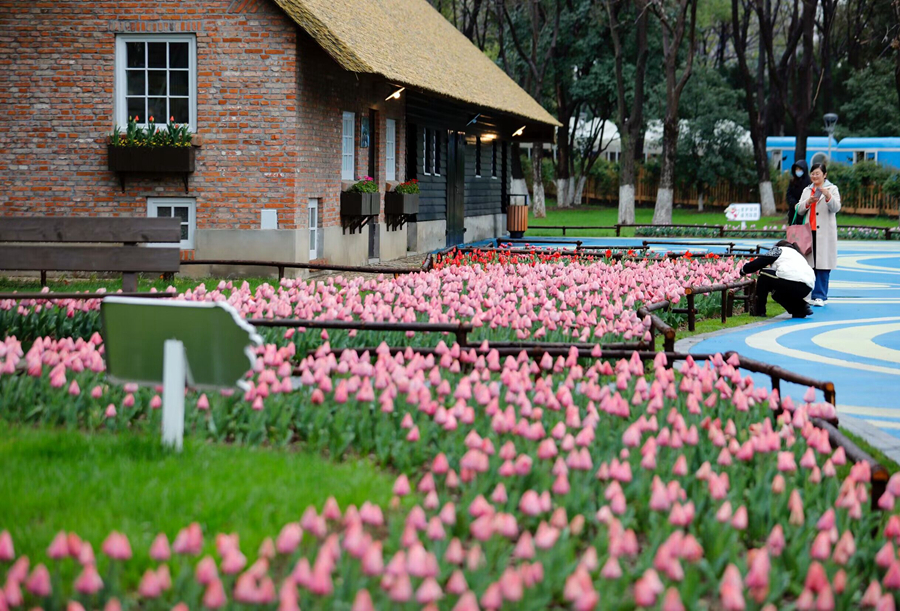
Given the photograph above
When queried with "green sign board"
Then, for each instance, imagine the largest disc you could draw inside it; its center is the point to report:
(218, 343)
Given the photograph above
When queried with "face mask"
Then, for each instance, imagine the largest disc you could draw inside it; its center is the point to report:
(798, 173)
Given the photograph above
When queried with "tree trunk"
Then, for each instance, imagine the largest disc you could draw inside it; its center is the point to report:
(626, 177)
(802, 108)
(665, 195)
(562, 160)
(579, 190)
(767, 198)
(753, 103)
(538, 205)
(562, 192)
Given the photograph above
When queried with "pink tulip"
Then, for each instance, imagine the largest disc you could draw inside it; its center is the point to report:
(214, 596)
(116, 546)
(672, 601)
(7, 552)
(88, 581)
(150, 586)
(59, 547)
(206, 571)
(159, 549)
(39, 582)
(891, 580)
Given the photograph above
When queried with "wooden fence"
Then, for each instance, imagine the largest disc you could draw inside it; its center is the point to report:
(865, 201)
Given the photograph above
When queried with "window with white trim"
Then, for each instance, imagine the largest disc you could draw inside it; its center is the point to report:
(494, 158)
(436, 170)
(477, 156)
(313, 208)
(156, 76)
(390, 149)
(179, 207)
(348, 159)
(428, 151)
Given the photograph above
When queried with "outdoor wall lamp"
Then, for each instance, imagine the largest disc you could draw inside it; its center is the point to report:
(395, 95)
(519, 131)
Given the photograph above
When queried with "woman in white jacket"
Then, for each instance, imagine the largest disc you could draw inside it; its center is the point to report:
(785, 273)
(820, 203)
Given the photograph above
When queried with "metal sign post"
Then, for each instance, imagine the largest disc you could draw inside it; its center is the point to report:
(743, 213)
(176, 344)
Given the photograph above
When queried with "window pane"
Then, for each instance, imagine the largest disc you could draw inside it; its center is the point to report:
(137, 108)
(312, 217)
(135, 53)
(156, 108)
(156, 82)
(184, 231)
(178, 82)
(136, 82)
(157, 54)
(164, 211)
(178, 108)
(178, 55)
(312, 240)
(182, 213)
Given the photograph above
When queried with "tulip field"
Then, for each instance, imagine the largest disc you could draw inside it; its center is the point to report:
(518, 483)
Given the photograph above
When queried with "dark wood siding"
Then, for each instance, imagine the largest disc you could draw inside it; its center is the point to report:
(433, 188)
(484, 194)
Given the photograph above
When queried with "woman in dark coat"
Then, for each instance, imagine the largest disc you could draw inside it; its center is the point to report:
(799, 181)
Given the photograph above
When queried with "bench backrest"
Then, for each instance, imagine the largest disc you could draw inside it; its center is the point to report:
(61, 246)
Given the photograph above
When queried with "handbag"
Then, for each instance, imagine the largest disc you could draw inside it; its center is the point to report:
(801, 235)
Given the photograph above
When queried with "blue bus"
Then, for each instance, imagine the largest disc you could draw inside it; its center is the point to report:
(780, 150)
(885, 151)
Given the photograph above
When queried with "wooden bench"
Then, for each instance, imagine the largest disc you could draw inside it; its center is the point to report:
(50, 243)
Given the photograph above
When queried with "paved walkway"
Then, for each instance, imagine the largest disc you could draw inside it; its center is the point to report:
(854, 341)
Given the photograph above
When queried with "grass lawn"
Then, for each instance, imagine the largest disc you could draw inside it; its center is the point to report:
(607, 215)
(66, 480)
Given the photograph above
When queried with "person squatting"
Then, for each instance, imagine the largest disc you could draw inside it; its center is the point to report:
(784, 273)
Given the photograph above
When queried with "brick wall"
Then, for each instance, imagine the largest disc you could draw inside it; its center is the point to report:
(325, 93)
(269, 104)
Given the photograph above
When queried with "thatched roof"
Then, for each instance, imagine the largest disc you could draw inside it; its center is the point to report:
(409, 43)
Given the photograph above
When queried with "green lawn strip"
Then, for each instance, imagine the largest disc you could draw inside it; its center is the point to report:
(871, 450)
(92, 484)
(605, 215)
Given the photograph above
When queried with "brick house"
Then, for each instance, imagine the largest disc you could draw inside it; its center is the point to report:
(289, 101)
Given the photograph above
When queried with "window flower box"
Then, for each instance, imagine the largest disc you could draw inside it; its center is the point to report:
(360, 204)
(401, 203)
(156, 160)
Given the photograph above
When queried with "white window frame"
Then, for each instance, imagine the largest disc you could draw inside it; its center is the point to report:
(426, 146)
(348, 146)
(154, 203)
(390, 149)
(477, 156)
(312, 208)
(494, 158)
(121, 88)
(436, 152)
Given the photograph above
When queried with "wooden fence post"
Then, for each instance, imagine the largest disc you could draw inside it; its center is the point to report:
(692, 313)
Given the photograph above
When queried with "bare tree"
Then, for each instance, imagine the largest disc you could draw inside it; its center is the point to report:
(543, 26)
(677, 19)
(629, 120)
